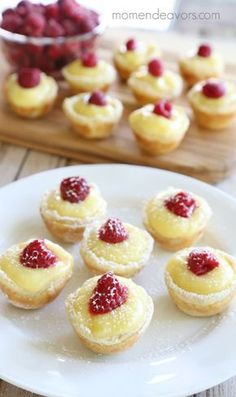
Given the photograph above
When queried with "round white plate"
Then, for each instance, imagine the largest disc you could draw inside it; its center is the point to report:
(177, 356)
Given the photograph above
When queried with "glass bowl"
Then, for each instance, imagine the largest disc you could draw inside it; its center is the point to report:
(46, 53)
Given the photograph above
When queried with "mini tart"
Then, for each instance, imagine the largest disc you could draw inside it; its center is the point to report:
(195, 68)
(126, 61)
(125, 258)
(91, 121)
(150, 89)
(114, 331)
(67, 220)
(32, 102)
(201, 295)
(86, 79)
(213, 113)
(171, 231)
(156, 134)
(32, 288)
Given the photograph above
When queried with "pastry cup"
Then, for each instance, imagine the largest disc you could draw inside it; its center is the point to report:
(122, 342)
(200, 305)
(156, 147)
(124, 73)
(99, 265)
(67, 230)
(192, 78)
(211, 121)
(94, 127)
(24, 299)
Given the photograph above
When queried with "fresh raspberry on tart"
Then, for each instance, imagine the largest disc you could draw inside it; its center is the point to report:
(163, 108)
(98, 98)
(156, 67)
(29, 77)
(204, 50)
(37, 255)
(131, 45)
(74, 189)
(113, 231)
(181, 204)
(201, 261)
(89, 60)
(214, 89)
(108, 294)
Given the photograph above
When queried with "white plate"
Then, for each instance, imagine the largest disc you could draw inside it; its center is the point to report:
(178, 355)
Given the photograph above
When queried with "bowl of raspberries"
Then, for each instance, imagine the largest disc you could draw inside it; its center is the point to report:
(48, 36)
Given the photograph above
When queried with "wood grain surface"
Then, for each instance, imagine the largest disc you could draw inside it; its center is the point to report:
(202, 154)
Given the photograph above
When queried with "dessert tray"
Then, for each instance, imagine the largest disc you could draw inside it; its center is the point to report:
(177, 356)
(202, 154)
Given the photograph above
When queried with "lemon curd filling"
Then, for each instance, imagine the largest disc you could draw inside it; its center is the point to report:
(34, 280)
(102, 72)
(84, 108)
(28, 97)
(221, 105)
(124, 320)
(86, 208)
(216, 280)
(201, 65)
(160, 219)
(133, 59)
(126, 252)
(147, 124)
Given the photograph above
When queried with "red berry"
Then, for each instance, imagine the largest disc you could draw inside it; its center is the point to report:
(74, 189)
(70, 27)
(97, 98)
(131, 45)
(68, 8)
(55, 51)
(156, 68)
(52, 11)
(213, 89)
(163, 108)
(54, 29)
(29, 77)
(89, 60)
(87, 25)
(113, 231)
(204, 50)
(107, 295)
(34, 25)
(8, 11)
(12, 23)
(36, 255)
(201, 261)
(23, 8)
(181, 204)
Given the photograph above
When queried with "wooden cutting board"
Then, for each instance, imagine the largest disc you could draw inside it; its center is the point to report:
(210, 156)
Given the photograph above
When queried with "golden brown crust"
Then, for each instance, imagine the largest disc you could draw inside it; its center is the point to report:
(34, 302)
(99, 131)
(156, 147)
(191, 78)
(145, 99)
(212, 121)
(61, 230)
(174, 244)
(33, 112)
(197, 310)
(123, 72)
(77, 89)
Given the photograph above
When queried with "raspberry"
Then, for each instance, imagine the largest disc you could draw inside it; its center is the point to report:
(89, 60)
(201, 261)
(74, 189)
(70, 27)
(34, 25)
(55, 51)
(68, 7)
(52, 11)
(113, 231)
(107, 295)
(12, 23)
(54, 29)
(87, 25)
(213, 89)
(29, 77)
(204, 50)
(163, 108)
(156, 68)
(131, 45)
(181, 204)
(36, 255)
(97, 98)
(23, 8)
